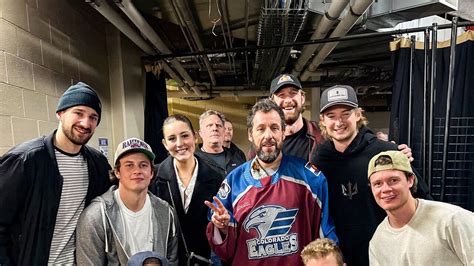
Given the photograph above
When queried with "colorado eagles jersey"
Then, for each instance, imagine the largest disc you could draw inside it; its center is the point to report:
(274, 217)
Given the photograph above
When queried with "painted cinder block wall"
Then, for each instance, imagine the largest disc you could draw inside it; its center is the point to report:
(47, 45)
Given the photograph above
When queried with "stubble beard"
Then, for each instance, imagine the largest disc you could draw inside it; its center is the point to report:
(69, 133)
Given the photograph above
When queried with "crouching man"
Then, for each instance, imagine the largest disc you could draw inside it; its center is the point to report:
(127, 219)
(415, 231)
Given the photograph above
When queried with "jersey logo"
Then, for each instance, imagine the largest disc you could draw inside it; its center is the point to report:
(311, 167)
(224, 190)
(272, 224)
(350, 190)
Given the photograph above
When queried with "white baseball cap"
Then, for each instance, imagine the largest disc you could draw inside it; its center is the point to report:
(133, 145)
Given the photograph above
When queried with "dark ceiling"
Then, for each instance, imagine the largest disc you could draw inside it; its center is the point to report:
(220, 30)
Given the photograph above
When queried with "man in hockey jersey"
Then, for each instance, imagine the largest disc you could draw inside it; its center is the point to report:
(269, 208)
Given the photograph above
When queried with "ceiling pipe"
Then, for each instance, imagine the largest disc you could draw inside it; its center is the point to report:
(134, 15)
(223, 94)
(191, 24)
(357, 9)
(184, 30)
(327, 21)
(175, 77)
(111, 15)
(246, 40)
(225, 16)
(237, 24)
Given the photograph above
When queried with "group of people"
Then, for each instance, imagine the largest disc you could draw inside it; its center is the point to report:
(333, 187)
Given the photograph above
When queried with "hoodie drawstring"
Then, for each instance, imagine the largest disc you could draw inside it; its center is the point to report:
(102, 211)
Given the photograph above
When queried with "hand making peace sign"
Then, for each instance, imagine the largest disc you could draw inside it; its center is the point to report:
(220, 218)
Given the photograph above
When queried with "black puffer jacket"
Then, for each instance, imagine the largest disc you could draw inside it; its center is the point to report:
(30, 191)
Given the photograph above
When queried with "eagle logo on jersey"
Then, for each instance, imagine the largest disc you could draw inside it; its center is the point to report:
(270, 220)
(272, 223)
(224, 190)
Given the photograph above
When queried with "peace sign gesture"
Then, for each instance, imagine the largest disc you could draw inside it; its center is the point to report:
(220, 218)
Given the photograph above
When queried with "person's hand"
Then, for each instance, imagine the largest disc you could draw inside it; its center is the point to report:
(407, 151)
(220, 218)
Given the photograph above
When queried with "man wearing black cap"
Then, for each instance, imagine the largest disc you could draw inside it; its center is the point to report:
(45, 183)
(301, 136)
(344, 158)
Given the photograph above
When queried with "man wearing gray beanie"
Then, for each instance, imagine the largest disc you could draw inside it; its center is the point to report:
(46, 183)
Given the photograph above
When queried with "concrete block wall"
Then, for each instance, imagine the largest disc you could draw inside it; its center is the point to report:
(45, 46)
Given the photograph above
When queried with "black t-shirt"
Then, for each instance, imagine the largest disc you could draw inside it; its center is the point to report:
(297, 144)
(219, 158)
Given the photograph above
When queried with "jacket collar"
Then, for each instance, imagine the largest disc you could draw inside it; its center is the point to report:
(49, 143)
(166, 171)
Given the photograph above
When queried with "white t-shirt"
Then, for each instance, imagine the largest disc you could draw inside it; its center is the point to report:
(138, 226)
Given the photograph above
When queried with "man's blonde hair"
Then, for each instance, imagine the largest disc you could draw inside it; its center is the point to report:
(362, 122)
(321, 248)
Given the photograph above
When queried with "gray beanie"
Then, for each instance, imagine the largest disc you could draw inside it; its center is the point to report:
(80, 94)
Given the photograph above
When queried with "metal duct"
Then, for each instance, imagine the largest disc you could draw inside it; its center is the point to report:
(387, 14)
(280, 22)
(105, 10)
(356, 10)
(132, 13)
(327, 21)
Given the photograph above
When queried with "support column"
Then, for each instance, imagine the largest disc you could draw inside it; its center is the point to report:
(315, 100)
(117, 96)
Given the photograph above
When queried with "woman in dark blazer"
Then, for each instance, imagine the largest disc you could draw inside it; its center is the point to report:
(185, 182)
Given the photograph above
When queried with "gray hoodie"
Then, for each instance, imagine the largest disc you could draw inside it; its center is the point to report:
(100, 233)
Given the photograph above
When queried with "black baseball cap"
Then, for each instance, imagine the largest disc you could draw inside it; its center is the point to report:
(338, 95)
(284, 80)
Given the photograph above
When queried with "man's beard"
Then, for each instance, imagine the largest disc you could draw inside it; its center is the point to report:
(290, 119)
(268, 157)
(69, 132)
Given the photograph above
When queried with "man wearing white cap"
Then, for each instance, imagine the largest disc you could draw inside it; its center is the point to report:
(415, 231)
(127, 219)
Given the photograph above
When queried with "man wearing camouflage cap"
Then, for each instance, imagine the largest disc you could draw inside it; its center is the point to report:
(415, 231)
(45, 183)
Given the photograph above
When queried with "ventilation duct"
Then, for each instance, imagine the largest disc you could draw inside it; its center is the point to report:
(387, 14)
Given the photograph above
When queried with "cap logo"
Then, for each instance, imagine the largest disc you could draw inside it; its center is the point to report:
(134, 144)
(284, 78)
(337, 94)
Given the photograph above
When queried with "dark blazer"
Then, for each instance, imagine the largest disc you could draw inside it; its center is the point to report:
(30, 192)
(194, 222)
